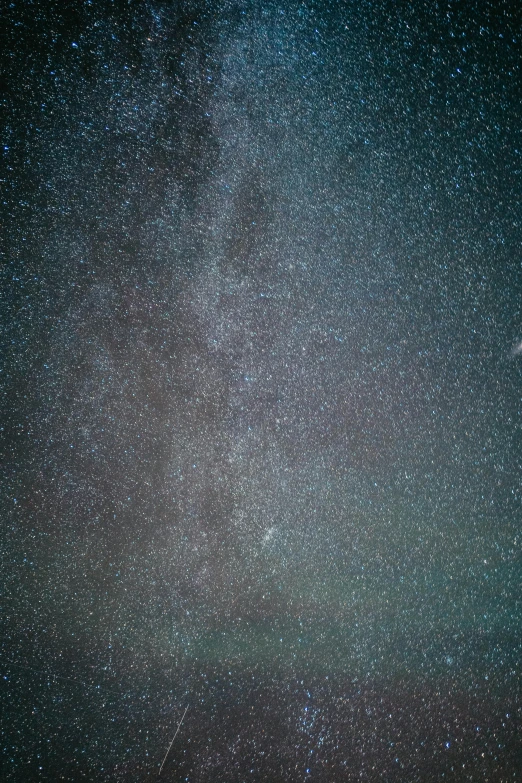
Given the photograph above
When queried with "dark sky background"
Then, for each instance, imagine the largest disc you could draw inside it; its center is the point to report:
(262, 323)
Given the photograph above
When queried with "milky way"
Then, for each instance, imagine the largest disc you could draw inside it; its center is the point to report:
(261, 421)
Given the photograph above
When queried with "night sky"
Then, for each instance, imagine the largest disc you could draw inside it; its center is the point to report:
(262, 327)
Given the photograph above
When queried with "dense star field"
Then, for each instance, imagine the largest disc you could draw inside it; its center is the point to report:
(262, 324)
